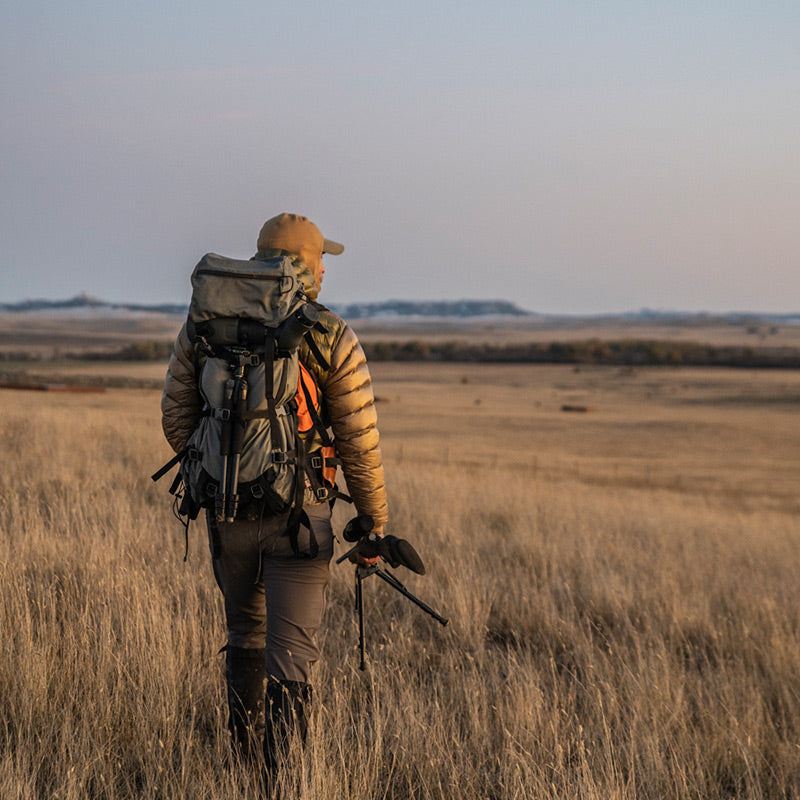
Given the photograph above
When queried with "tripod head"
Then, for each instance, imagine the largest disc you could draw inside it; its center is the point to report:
(395, 552)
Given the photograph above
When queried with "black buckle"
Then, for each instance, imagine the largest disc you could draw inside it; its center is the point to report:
(317, 462)
(279, 457)
(321, 493)
(247, 359)
(222, 414)
(242, 357)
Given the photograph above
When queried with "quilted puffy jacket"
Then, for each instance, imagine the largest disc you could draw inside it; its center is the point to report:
(345, 385)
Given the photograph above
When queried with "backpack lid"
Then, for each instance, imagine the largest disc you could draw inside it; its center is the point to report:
(266, 291)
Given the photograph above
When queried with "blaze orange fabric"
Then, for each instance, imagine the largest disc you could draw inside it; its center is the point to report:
(305, 422)
(329, 470)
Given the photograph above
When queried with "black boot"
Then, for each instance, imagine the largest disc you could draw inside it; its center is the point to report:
(288, 706)
(245, 672)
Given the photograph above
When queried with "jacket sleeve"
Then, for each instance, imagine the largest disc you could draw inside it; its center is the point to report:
(181, 401)
(347, 387)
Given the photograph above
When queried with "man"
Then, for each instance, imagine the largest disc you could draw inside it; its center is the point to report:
(274, 586)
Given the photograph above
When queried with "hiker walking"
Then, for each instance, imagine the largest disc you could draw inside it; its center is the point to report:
(267, 393)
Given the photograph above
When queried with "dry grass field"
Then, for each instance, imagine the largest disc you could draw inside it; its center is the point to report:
(48, 334)
(622, 586)
(505, 331)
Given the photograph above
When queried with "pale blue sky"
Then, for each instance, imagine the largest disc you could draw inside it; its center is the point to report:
(571, 156)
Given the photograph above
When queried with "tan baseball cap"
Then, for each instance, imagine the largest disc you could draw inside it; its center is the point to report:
(298, 235)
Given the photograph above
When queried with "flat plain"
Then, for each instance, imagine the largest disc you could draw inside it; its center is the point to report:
(620, 579)
(51, 333)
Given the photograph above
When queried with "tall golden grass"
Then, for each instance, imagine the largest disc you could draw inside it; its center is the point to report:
(622, 588)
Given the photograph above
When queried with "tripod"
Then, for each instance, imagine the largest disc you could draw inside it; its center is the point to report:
(395, 552)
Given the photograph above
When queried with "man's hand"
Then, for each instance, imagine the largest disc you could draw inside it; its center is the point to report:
(357, 558)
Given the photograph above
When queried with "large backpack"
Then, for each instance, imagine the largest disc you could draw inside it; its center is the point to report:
(245, 458)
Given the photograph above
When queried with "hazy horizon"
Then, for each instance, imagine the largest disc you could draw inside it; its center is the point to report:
(570, 157)
(644, 310)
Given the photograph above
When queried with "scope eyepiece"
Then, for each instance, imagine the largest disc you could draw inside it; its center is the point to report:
(357, 527)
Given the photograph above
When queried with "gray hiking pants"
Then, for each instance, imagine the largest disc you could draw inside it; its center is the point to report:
(274, 599)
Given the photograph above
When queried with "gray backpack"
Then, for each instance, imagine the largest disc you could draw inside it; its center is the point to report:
(246, 321)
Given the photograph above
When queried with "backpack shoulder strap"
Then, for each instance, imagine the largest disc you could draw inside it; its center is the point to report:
(310, 403)
(315, 351)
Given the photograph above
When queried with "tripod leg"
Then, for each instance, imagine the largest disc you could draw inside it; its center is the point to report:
(360, 605)
(394, 583)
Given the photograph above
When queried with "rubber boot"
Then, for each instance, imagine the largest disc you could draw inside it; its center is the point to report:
(245, 673)
(288, 705)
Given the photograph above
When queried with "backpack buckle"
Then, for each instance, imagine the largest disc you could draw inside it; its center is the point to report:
(280, 457)
(222, 414)
(317, 462)
(242, 357)
(321, 493)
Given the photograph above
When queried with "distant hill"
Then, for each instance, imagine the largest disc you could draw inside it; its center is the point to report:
(399, 310)
(430, 308)
(86, 301)
(391, 308)
(646, 315)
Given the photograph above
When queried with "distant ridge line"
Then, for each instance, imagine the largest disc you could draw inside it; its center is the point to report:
(394, 308)
(430, 308)
(84, 301)
(436, 309)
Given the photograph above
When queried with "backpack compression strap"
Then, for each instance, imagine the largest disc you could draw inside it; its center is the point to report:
(298, 515)
(279, 456)
(156, 476)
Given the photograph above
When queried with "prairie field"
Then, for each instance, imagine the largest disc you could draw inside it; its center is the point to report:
(617, 552)
(51, 334)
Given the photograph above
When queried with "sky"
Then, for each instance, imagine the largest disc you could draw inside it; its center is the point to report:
(574, 156)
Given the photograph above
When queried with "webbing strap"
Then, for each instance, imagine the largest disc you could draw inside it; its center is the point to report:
(216, 542)
(314, 348)
(323, 489)
(297, 518)
(342, 496)
(282, 385)
(319, 461)
(176, 483)
(317, 486)
(233, 357)
(269, 388)
(297, 514)
(169, 465)
(315, 417)
(263, 413)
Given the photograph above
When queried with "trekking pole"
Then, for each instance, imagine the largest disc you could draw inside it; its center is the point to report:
(237, 438)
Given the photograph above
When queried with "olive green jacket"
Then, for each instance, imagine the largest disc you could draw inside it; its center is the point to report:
(345, 385)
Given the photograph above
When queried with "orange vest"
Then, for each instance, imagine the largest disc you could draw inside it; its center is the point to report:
(305, 422)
